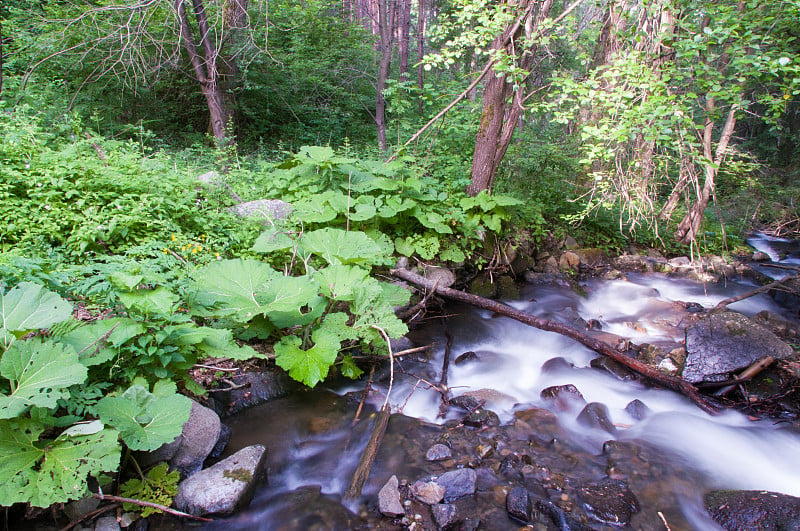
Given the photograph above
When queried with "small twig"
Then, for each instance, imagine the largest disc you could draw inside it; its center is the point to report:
(747, 374)
(391, 364)
(99, 339)
(405, 314)
(414, 350)
(100, 153)
(215, 368)
(666, 525)
(90, 515)
(143, 503)
(367, 389)
(179, 257)
(232, 386)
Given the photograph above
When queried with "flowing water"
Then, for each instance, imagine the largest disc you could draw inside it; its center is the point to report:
(312, 440)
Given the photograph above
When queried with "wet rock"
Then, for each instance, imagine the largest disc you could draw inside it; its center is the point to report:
(559, 517)
(77, 509)
(569, 260)
(563, 396)
(507, 288)
(637, 409)
(519, 505)
(489, 395)
(222, 441)
(199, 436)
(483, 286)
(609, 501)
(630, 262)
(254, 388)
(224, 487)
(550, 266)
(593, 257)
(747, 509)
(466, 402)
(759, 256)
(428, 492)
(458, 483)
(595, 415)
(445, 515)
(556, 364)
(438, 452)
(605, 363)
(401, 343)
(466, 357)
(726, 342)
(106, 523)
(263, 208)
(481, 418)
(389, 499)
(509, 466)
(443, 277)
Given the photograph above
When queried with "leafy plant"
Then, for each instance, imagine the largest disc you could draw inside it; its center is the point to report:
(158, 486)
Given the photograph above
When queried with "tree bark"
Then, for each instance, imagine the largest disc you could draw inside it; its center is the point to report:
(404, 24)
(386, 18)
(667, 380)
(502, 103)
(420, 51)
(204, 65)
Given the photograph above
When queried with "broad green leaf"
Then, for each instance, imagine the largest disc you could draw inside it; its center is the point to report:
(311, 366)
(314, 210)
(28, 307)
(363, 212)
(159, 301)
(372, 310)
(432, 220)
(145, 420)
(338, 246)
(125, 281)
(350, 369)
(51, 471)
(243, 289)
(91, 341)
(318, 154)
(338, 281)
(39, 372)
(272, 240)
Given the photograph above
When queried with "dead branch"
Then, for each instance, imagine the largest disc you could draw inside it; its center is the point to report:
(772, 285)
(361, 474)
(747, 374)
(666, 380)
(143, 503)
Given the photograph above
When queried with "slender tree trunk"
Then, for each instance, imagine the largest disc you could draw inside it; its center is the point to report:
(405, 34)
(502, 105)
(386, 18)
(203, 57)
(420, 50)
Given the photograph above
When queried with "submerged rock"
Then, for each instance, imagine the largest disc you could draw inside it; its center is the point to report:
(750, 509)
(519, 504)
(609, 501)
(458, 483)
(428, 492)
(444, 514)
(389, 499)
(726, 342)
(438, 452)
(224, 487)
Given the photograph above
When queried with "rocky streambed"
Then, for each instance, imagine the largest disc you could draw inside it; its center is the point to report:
(541, 432)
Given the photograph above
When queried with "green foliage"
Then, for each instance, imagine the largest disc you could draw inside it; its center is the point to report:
(28, 307)
(158, 486)
(146, 420)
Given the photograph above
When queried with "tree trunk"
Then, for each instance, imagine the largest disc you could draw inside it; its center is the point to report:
(420, 51)
(689, 226)
(405, 33)
(204, 65)
(499, 115)
(386, 18)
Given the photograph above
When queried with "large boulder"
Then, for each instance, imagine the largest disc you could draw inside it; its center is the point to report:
(224, 487)
(751, 509)
(274, 209)
(198, 438)
(726, 342)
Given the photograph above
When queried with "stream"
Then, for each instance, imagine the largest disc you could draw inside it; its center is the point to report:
(667, 450)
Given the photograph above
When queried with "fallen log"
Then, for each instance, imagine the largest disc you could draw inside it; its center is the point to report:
(723, 304)
(663, 379)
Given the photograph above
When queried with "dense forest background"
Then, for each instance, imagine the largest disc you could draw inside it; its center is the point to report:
(447, 131)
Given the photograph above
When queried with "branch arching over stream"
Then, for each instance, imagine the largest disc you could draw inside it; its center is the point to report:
(666, 380)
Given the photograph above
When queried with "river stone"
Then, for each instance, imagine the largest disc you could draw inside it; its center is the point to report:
(726, 342)
(428, 492)
(263, 208)
(458, 483)
(750, 509)
(198, 438)
(438, 452)
(563, 396)
(609, 501)
(595, 415)
(444, 515)
(389, 499)
(481, 418)
(519, 504)
(256, 388)
(637, 409)
(224, 487)
(466, 357)
(569, 260)
(106, 523)
(443, 277)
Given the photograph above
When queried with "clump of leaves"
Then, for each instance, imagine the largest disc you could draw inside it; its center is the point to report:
(158, 486)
